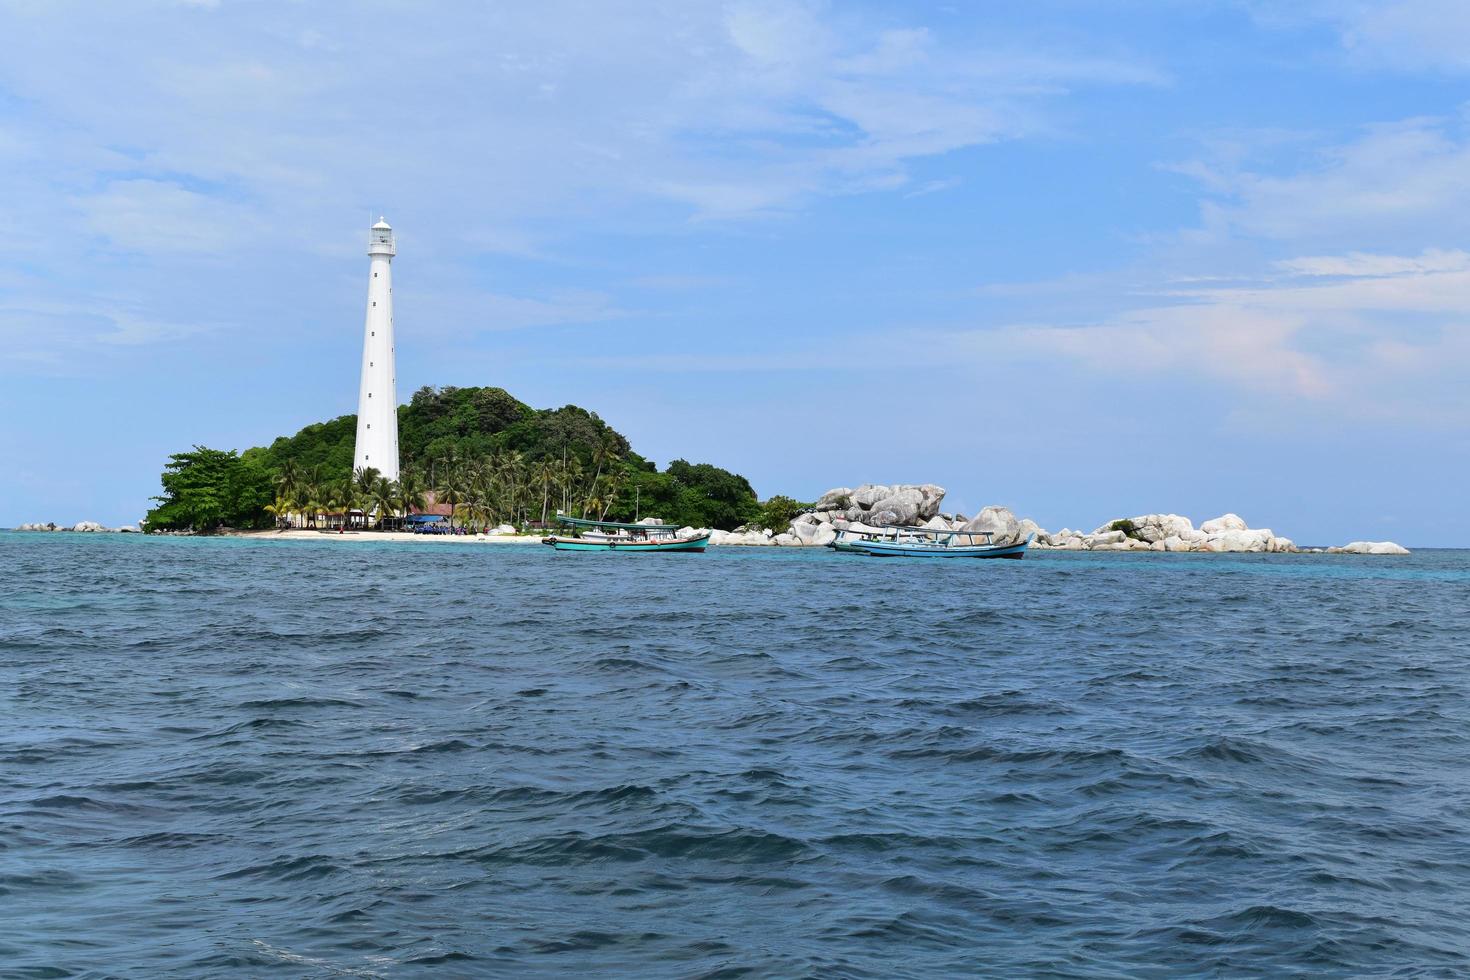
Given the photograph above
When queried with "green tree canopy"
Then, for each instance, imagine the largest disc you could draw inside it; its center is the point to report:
(716, 497)
(530, 460)
(778, 513)
(207, 489)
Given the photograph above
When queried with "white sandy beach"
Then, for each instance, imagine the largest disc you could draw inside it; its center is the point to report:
(380, 536)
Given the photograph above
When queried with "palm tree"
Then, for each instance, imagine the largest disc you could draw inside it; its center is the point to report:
(364, 477)
(471, 494)
(568, 475)
(448, 461)
(512, 464)
(527, 484)
(486, 490)
(287, 484)
(384, 497)
(546, 476)
(477, 510)
(451, 490)
(613, 484)
(288, 475)
(337, 498)
(604, 455)
(288, 480)
(280, 508)
(313, 500)
(361, 482)
(410, 491)
(296, 501)
(315, 493)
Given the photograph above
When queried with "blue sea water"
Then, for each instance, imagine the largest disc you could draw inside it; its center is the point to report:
(245, 758)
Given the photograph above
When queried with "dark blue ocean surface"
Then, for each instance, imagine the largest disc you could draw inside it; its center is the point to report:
(229, 757)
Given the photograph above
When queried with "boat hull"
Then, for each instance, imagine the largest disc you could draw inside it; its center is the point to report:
(890, 549)
(696, 544)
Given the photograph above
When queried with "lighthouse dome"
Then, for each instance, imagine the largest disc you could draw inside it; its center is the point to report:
(380, 239)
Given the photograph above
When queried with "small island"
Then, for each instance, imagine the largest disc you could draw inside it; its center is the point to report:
(477, 462)
(477, 457)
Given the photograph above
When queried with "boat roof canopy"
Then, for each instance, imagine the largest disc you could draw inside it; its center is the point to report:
(897, 530)
(583, 522)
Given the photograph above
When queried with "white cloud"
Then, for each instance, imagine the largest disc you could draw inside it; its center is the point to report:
(243, 134)
(1384, 186)
(1409, 34)
(934, 187)
(1237, 343)
(727, 108)
(1372, 335)
(1364, 264)
(51, 337)
(157, 216)
(444, 314)
(1364, 335)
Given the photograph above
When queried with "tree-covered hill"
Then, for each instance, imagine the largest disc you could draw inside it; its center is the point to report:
(490, 455)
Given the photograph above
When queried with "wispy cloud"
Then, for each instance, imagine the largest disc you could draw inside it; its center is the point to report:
(448, 314)
(934, 187)
(1358, 264)
(1385, 182)
(154, 216)
(674, 281)
(235, 135)
(611, 101)
(1413, 35)
(1373, 335)
(52, 338)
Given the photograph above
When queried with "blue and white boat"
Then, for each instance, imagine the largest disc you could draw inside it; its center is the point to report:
(856, 541)
(588, 535)
(925, 542)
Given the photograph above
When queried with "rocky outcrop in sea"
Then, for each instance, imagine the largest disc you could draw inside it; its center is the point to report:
(873, 506)
(91, 527)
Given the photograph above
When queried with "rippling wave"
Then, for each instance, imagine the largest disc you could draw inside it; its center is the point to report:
(245, 758)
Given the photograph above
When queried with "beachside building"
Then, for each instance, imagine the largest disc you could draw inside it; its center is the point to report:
(433, 508)
(377, 396)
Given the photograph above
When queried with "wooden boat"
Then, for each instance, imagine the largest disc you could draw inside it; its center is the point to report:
(924, 542)
(855, 542)
(614, 536)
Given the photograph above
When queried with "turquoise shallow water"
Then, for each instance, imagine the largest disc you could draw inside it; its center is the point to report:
(316, 759)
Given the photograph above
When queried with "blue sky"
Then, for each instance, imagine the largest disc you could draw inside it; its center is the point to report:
(1083, 259)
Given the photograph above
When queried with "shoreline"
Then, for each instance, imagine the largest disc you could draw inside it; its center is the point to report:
(732, 540)
(296, 534)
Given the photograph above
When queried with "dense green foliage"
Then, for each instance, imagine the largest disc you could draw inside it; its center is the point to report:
(453, 424)
(490, 456)
(1128, 528)
(778, 513)
(207, 489)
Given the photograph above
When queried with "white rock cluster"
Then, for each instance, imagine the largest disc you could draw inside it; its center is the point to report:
(1369, 548)
(1169, 532)
(870, 505)
(874, 506)
(752, 538)
(879, 505)
(1228, 533)
(87, 526)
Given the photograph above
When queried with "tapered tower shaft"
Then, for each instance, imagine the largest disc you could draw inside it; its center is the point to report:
(377, 397)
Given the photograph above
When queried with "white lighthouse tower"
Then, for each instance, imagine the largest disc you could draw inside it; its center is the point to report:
(377, 398)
